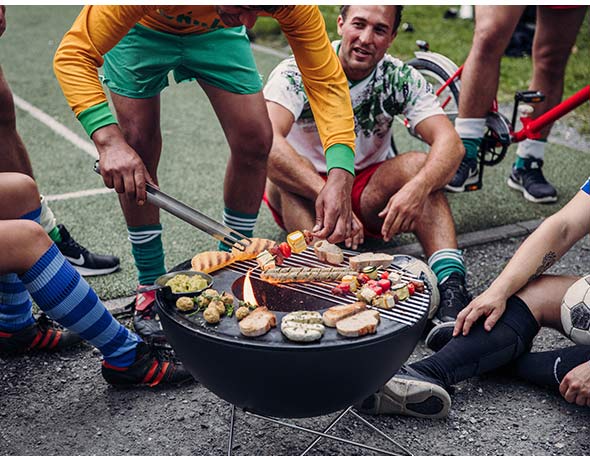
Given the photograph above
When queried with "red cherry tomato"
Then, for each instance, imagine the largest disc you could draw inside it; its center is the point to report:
(411, 288)
(337, 291)
(385, 284)
(377, 289)
(362, 278)
(385, 275)
(285, 249)
(344, 286)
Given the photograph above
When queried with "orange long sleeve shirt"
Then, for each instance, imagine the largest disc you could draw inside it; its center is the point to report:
(97, 29)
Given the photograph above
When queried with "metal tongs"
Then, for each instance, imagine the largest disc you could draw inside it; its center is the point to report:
(212, 227)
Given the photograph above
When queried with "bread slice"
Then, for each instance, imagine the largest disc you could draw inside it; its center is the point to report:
(257, 246)
(337, 313)
(363, 260)
(211, 261)
(259, 322)
(328, 253)
(359, 324)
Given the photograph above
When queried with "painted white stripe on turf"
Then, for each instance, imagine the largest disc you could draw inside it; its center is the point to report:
(79, 194)
(56, 126)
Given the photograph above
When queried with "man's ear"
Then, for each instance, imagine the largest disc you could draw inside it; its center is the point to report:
(339, 24)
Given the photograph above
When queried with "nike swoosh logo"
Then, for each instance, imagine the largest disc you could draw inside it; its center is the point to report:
(77, 261)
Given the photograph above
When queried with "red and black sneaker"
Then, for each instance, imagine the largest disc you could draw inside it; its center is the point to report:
(146, 321)
(43, 335)
(153, 366)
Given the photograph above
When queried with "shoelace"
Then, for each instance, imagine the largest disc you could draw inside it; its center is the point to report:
(467, 165)
(71, 242)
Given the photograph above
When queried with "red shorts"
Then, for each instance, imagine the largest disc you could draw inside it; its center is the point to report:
(358, 186)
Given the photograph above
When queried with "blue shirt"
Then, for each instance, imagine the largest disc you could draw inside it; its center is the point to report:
(586, 187)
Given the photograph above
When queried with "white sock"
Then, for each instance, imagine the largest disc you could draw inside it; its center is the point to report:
(47, 221)
(529, 148)
(470, 128)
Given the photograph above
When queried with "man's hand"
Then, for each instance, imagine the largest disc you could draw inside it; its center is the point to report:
(402, 210)
(575, 386)
(120, 166)
(488, 303)
(2, 19)
(357, 236)
(333, 208)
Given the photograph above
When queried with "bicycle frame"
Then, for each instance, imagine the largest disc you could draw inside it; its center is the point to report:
(531, 128)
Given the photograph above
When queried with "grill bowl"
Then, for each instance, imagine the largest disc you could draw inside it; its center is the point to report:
(273, 376)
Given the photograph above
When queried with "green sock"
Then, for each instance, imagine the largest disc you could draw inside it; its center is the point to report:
(55, 235)
(519, 162)
(148, 252)
(446, 261)
(241, 222)
(471, 147)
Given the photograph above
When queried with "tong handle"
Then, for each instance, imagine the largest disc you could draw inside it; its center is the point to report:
(226, 235)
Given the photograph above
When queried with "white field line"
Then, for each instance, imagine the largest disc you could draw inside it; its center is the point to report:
(56, 126)
(80, 194)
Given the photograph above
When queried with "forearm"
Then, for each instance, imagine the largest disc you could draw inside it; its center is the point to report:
(292, 172)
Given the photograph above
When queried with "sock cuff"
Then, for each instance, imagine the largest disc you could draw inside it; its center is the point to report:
(470, 128)
(531, 148)
(445, 254)
(51, 260)
(233, 213)
(525, 324)
(143, 234)
(34, 215)
(239, 221)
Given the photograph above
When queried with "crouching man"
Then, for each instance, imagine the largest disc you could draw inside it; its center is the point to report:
(391, 194)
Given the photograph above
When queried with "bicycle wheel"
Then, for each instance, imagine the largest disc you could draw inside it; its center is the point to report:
(437, 77)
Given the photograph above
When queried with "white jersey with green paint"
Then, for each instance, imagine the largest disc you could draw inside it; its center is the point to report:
(393, 88)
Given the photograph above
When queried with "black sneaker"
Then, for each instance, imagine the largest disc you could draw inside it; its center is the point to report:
(467, 174)
(87, 263)
(409, 393)
(146, 321)
(153, 366)
(531, 182)
(43, 335)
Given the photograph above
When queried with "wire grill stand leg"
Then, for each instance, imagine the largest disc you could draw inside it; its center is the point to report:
(319, 434)
(231, 430)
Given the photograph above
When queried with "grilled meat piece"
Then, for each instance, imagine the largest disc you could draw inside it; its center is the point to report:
(337, 313)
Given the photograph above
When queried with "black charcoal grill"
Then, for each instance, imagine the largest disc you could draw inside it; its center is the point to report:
(271, 375)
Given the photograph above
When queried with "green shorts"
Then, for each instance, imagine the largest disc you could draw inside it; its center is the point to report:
(138, 66)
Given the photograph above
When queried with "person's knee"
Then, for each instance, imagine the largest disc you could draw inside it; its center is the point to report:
(253, 149)
(23, 191)
(486, 44)
(550, 62)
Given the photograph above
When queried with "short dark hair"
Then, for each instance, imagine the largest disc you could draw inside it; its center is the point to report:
(396, 22)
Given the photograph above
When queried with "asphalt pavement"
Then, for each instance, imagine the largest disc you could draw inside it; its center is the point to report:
(58, 404)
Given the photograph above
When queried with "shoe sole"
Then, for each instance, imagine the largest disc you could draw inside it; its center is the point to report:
(516, 186)
(469, 181)
(404, 396)
(85, 272)
(438, 325)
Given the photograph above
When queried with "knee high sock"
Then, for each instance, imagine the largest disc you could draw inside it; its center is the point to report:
(482, 351)
(15, 301)
(239, 221)
(446, 261)
(549, 367)
(148, 252)
(60, 291)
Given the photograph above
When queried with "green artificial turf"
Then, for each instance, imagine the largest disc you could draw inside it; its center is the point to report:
(195, 152)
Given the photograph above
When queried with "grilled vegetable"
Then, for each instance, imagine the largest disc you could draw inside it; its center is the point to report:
(287, 275)
(296, 241)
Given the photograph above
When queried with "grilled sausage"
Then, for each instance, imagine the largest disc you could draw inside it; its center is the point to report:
(304, 274)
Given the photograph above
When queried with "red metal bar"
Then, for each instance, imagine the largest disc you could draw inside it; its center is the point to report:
(448, 81)
(532, 128)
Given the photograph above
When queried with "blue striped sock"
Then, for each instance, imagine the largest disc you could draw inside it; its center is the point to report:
(66, 297)
(15, 303)
(241, 222)
(444, 262)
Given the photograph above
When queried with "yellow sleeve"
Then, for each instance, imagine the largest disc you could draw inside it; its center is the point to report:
(95, 31)
(324, 80)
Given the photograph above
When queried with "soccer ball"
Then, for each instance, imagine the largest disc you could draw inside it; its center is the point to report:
(424, 273)
(575, 311)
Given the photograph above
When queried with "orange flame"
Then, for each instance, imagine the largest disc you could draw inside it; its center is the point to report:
(248, 291)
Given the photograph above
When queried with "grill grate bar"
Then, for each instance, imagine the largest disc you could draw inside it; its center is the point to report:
(406, 312)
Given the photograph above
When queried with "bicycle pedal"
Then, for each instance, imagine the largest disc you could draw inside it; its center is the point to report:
(472, 187)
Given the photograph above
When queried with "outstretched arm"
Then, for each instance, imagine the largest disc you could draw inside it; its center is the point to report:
(538, 253)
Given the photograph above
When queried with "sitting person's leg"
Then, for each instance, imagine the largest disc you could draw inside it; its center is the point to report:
(60, 291)
(439, 243)
(420, 391)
